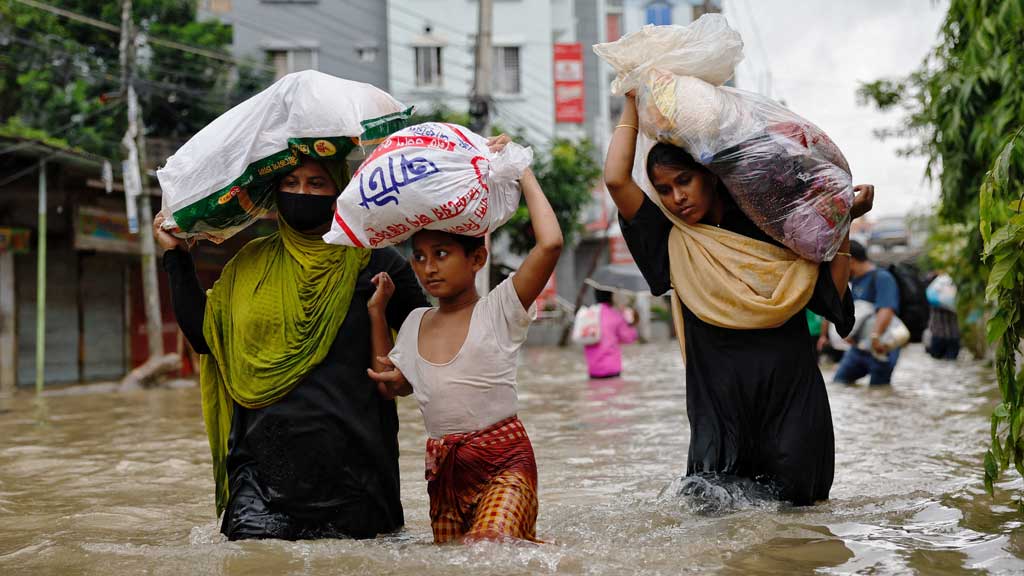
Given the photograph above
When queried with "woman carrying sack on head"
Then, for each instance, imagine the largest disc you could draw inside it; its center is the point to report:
(755, 398)
(303, 445)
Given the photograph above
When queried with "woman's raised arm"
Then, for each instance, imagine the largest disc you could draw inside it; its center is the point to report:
(618, 166)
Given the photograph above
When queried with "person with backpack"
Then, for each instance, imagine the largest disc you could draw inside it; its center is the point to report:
(879, 287)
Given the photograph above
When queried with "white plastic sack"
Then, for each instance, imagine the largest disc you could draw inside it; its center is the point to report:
(784, 172)
(220, 181)
(433, 175)
(586, 326)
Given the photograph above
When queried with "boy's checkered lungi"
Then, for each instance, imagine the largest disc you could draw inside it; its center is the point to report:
(483, 485)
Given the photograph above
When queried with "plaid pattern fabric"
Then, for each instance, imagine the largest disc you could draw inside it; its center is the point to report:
(483, 485)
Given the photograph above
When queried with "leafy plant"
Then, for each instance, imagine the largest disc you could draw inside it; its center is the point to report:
(1002, 228)
(567, 173)
(960, 107)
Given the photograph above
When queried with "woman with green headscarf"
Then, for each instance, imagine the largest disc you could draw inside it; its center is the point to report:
(303, 445)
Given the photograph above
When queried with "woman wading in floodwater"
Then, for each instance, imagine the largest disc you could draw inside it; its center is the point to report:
(756, 400)
(303, 444)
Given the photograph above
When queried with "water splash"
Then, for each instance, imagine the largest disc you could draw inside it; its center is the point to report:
(718, 494)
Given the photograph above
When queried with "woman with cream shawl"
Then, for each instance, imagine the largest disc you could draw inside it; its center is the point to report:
(756, 400)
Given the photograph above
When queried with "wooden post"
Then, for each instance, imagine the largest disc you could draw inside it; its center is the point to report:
(8, 329)
(41, 282)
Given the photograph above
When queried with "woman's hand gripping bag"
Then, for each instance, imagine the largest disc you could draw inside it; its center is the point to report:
(434, 175)
(222, 179)
(784, 172)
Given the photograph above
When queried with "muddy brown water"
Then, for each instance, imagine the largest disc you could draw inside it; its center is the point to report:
(102, 483)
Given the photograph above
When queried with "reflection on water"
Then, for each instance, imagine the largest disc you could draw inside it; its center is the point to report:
(120, 483)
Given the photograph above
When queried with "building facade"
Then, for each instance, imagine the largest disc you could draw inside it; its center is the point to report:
(344, 38)
(432, 59)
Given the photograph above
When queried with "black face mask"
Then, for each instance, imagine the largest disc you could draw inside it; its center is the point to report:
(305, 212)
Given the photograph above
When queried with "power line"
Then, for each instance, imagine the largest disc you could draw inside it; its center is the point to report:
(151, 39)
(50, 50)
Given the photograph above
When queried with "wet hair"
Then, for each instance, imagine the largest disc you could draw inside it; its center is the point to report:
(602, 296)
(858, 252)
(671, 156)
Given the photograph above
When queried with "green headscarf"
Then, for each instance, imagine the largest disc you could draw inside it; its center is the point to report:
(270, 318)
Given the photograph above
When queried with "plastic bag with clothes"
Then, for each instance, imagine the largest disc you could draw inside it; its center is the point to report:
(221, 180)
(433, 175)
(784, 172)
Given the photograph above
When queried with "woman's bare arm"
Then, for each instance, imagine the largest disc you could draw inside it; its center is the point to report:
(535, 271)
(618, 165)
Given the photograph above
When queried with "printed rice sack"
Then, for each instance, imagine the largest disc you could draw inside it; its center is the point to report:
(784, 172)
(221, 180)
(434, 175)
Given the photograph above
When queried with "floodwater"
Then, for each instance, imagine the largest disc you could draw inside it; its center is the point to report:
(121, 484)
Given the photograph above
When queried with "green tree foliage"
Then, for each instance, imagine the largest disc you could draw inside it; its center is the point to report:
(961, 106)
(567, 172)
(1002, 229)
(63, 77)
(964, 107)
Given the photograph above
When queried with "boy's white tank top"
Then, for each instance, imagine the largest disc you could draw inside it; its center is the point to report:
(477, 387)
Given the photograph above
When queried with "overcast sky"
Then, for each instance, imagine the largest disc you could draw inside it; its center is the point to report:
(818, 51)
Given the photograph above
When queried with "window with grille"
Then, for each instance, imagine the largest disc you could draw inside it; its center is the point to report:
(428, 66)
(506, 77)
(288, 61)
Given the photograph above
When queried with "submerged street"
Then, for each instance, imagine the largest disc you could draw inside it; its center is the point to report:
(96, 483)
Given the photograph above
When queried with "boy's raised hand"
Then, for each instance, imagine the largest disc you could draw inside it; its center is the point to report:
(497, 143)
(391, 382)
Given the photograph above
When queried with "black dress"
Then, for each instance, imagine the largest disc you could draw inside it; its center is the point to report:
(323, 461)
(756, 399)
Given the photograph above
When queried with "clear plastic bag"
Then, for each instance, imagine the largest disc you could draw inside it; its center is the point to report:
(784, 172)
(432, 175)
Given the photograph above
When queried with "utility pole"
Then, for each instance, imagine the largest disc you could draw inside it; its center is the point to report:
(480, 101)
(134, 142)
(480, 104)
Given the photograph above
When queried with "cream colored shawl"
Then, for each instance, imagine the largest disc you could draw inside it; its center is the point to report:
(732, 281)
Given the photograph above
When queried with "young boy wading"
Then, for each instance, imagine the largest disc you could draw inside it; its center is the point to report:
(460, 359)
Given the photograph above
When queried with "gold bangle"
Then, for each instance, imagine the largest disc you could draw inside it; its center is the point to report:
(847, 254)
(627, 126)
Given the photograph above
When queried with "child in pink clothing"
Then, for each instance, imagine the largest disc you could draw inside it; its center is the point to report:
(604, 359)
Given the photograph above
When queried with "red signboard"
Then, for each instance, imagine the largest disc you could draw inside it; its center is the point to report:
(569, 83)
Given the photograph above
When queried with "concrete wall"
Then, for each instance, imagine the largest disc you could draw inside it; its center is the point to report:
(337, 30)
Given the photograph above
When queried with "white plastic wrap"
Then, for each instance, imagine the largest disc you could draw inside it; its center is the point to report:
(220, 181)
(784, 172)
(433, 175)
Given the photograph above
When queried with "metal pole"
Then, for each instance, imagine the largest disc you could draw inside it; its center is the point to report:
(41, 282)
